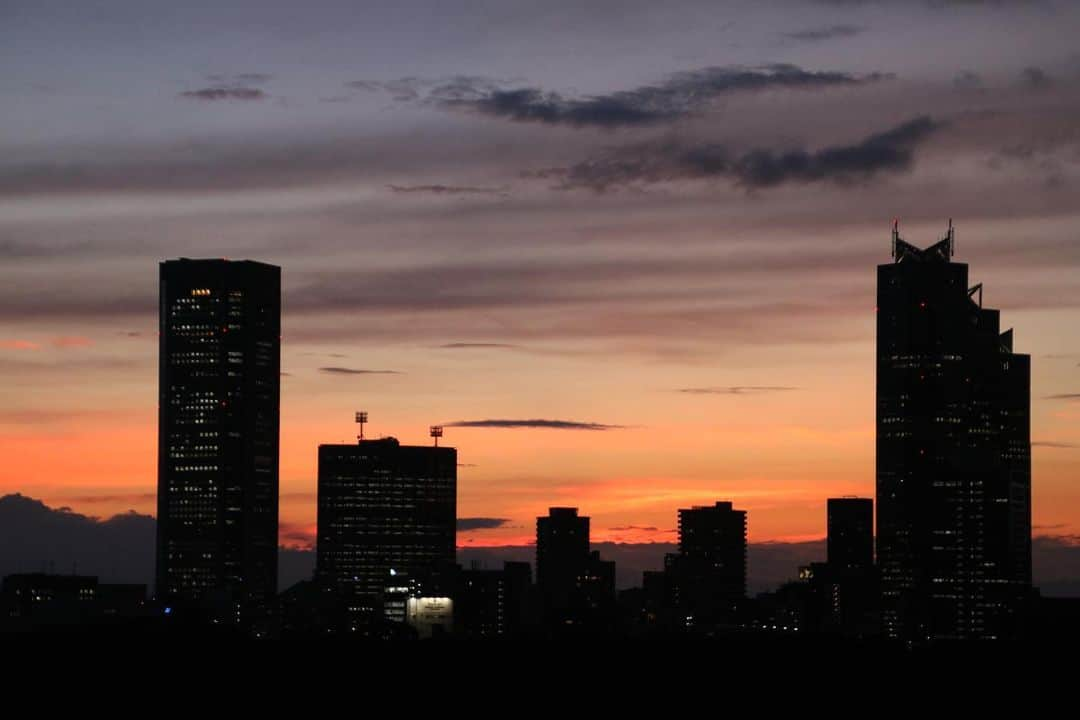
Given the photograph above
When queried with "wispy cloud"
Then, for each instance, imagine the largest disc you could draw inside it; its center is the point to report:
(1052, 444)
(19, 345)
(673, 160)
(736, 390)
(448, 190)
(71, 341)
(1064, 396)
(968, 80)
(62, 342)
(1035, 78)
(247, 78)
(677, 96)
(225, 93)
(549, 424)
(830, 32)
(475, 346)
(356, 371)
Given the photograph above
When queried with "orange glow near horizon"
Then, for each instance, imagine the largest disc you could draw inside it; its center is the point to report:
(764, 452)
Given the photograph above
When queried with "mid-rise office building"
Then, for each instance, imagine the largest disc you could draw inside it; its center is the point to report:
(383, 507)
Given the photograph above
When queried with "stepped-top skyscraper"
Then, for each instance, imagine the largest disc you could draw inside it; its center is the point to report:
(953, 453)
(218, 421)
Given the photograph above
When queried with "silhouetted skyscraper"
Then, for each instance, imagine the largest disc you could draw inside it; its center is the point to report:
(850, 544)
(562, 551)
(576, 587)
(953, 453)
(710, 569)
(218, 418)
(384, 506)
(845, 595)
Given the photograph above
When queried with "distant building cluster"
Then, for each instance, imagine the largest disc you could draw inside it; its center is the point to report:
(953, 523)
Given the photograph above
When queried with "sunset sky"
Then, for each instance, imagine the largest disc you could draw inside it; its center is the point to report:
(656, 224)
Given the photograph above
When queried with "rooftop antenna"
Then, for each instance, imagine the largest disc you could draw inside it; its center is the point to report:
(361, 418)
(436, 432)
(895, 234)
(952, 239)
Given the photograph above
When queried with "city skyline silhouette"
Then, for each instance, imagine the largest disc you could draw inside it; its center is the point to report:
(623, 267)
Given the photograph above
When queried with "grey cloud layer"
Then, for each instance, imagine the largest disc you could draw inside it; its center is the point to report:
(678, 96)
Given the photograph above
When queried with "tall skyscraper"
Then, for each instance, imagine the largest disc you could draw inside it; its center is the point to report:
(218, 420)
(953, 453)
(850, 543)
(383, 507)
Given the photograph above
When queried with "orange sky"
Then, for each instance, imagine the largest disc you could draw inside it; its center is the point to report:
(778, 453)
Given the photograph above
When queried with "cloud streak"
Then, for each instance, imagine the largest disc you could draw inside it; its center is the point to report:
(356, 371)
(830, 32)
(649, 163)
(1064, 396)
(447, 190)
(218, 93)
(737, 390)
(1052, 444)
(543, 424)
(678, 96)
(476, 346)
(468, 524)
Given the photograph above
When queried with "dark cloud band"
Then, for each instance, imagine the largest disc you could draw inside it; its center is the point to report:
(656, 162)
(548, 424)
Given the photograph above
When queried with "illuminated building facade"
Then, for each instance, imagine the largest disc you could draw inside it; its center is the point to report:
(953, 454)
(383, 506)
(218, 424)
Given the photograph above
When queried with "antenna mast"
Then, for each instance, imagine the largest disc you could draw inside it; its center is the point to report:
(436, 432)
(361, 418)
(952, 239)
(895, 235)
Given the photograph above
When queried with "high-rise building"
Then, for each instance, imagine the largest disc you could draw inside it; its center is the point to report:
(562, 549)
(844, 591)
(218, 420)
(709, 572)
(576, 587)
(953, 453)
(850, 541)
(383, 508)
